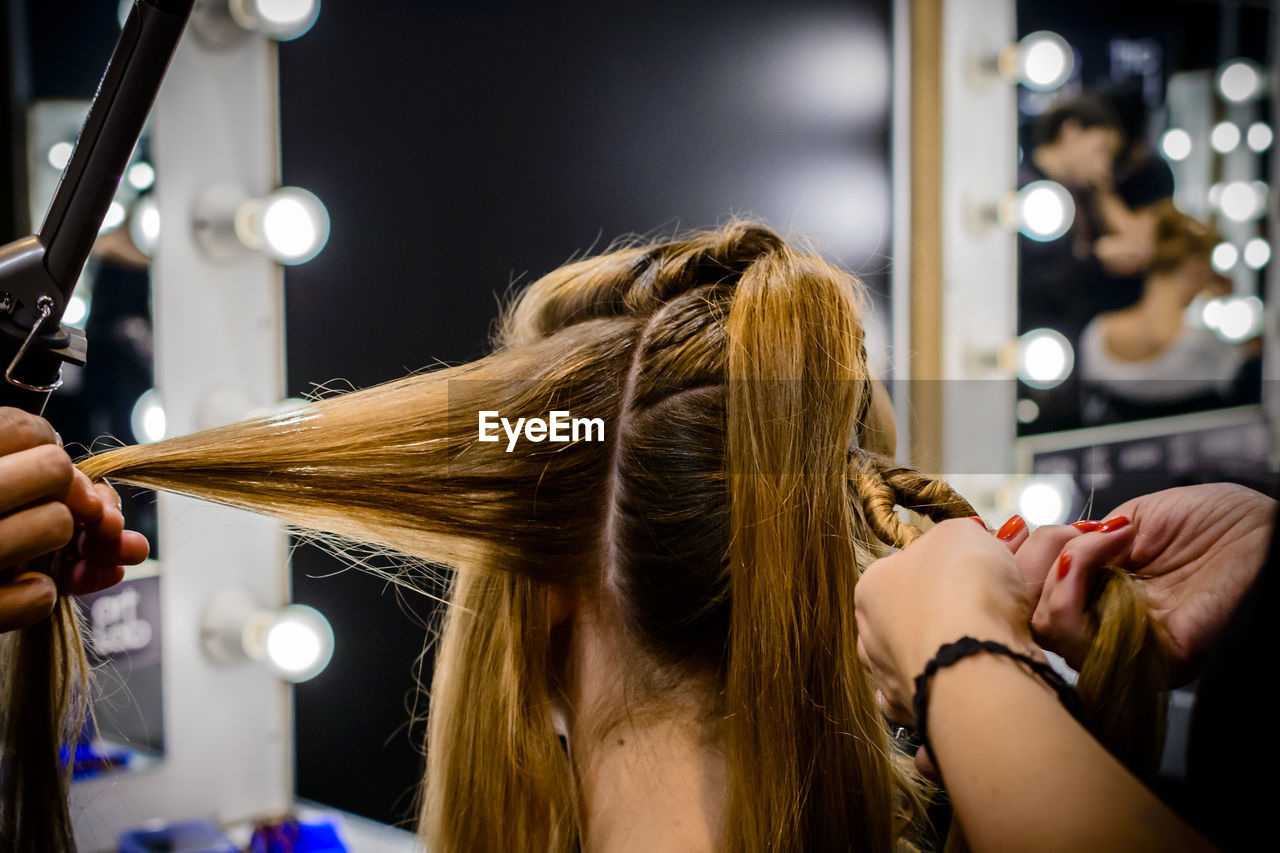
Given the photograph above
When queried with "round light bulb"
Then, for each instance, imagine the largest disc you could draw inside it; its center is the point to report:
(141, 176)
(1239, 80)
(1044, 501)
(1240, 201)
(1259, 137)
(1224, 257)
(1045, 358)
(144, 225)
(279, 19)
(1257, 252)
(147, 418)
(1236, 318)
(1225, 137)
(1045, 61)
(1176, 144)
(291, 225)
(297, 643)
(60, 155)
(1045, 210)
(77, 311)
(115, 215)
(1027, 411)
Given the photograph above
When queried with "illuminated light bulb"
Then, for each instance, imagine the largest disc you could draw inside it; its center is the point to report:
(141, 176)
(144, 226)
(77, 311)
(280, 19)
(1259, 137)
(1236, 318)
(1045, 500)
(115, 215)
(1027, 411)
(292, 646)
(1241, 201)
(1257, 252)
(1044, 210)
(294, 642)
(290, 225)
(288, 228)
(147, 418)
(1239, 80)
(60, 155)
(1044, 61)
(1224, 257)
(1044, 358)
(1225, 137)
(1176, 144)
(1212, 313)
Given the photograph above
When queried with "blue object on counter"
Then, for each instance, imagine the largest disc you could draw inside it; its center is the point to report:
(314, 835)
(94, 759)
(192, 836)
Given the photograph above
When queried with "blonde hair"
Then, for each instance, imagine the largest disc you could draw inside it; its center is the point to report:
(728, 512)
(1178, 237)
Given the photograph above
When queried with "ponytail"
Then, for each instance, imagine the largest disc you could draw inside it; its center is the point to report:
(807, 749)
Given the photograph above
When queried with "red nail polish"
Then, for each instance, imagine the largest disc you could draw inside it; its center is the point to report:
(1114, 523)
(1011, 528)
(1064, 566)
(1087, 526)
(981, 523)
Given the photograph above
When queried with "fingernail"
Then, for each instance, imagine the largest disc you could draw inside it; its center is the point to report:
(1064, 566)
(981, 523)
(1114, 523)
(1087, 526)
(1011, 528)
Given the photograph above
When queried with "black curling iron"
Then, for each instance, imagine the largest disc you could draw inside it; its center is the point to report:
(38, 273)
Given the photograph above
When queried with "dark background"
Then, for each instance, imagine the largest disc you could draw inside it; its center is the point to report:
(464, 146)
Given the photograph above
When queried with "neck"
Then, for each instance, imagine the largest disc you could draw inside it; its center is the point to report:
(656, 787)
(1164, 295)
(650, 781)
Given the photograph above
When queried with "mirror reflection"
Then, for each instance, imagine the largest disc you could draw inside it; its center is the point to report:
(1142, 210)
(111, 396)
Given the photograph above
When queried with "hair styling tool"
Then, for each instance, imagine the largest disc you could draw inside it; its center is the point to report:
(38, 273)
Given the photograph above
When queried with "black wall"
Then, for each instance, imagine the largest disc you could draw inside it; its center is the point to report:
(462, 145)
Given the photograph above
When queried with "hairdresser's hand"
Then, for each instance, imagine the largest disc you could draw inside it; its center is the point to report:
(1195, 550)
(955, 580)
(45, 504)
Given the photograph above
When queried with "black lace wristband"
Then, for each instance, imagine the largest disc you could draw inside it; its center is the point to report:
(969, 646)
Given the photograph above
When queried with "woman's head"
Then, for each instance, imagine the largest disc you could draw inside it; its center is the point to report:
(723, 513)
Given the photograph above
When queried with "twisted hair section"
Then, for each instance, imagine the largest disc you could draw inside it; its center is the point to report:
(883, 485)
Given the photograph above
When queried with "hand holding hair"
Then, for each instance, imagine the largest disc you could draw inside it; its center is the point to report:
(956, 580)
(1193, 551)
(45, 504)
(1021, 772)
